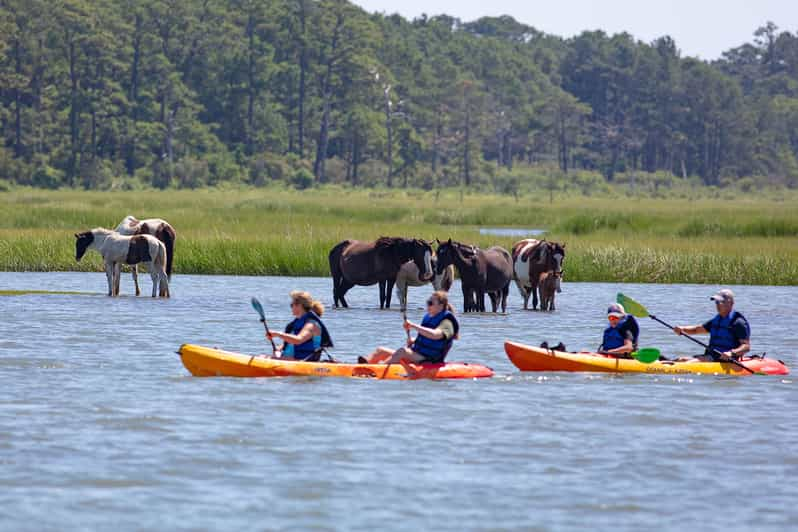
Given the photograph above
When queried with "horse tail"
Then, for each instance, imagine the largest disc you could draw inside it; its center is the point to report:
(334, 258)
(167, 235)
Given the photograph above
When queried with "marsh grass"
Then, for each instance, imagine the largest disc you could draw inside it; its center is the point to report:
(273, 231)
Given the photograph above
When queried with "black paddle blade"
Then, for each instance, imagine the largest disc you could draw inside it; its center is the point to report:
(258, 308)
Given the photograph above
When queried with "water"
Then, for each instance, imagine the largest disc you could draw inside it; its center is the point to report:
(511, 231)
(101, 426)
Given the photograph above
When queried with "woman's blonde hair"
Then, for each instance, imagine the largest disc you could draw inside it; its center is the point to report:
(307, 302)
(443, 297)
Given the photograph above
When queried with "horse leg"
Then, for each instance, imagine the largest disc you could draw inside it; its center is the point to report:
(466, 298)
(117, 277)
(136, 278)
(401, 293)
(480, 300)
(109, 276)
(382, 293)
(494, 300)
(388, 292)
(505, 293)
(343, 288)
(164, 285)
(534, 297)
(155, 278)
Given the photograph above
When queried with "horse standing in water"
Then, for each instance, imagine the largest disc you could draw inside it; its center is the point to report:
(355, 262)
(481, 271)
(531, 258)
(117, 249)
(156, 227)
(409, 276)
(548, 284)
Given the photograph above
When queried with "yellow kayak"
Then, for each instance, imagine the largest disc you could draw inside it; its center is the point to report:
(528, 358)
(210, 362)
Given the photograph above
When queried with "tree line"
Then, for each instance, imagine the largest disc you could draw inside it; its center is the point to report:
(196, 92)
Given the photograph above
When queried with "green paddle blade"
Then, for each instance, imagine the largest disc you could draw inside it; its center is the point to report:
(647, 355)
(632, 307)
(258, 308)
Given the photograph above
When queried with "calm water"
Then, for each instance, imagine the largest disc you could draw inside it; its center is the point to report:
(101, 426)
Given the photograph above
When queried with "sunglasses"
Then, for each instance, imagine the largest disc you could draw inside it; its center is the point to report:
(613, 318)
(431, 302)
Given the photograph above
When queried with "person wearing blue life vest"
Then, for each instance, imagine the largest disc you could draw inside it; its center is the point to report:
(306, 336)
(729, 332)
(435, 334)
(620, 337)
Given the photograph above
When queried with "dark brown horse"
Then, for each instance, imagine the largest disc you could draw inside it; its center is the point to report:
(481, 271)
(531, 258)
(355, 262)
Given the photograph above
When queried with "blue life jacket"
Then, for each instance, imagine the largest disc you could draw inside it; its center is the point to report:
(435, 350)
(311, 349)
(721, 334)
(614, 336)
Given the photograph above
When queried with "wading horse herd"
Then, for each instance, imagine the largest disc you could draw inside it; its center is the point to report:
(536, 266)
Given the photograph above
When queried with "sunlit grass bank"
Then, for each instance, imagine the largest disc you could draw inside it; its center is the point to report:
(274, 231)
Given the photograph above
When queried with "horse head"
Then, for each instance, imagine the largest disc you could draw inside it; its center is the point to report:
(422, 257)
(557, 254)
(82, 242)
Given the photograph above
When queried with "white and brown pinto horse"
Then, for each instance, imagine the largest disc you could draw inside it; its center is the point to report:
(409, 276)
(364, 263)
(119, 249)
(156, 227)
(531, 258)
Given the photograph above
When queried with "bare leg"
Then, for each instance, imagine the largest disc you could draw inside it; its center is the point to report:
(406, 354)
(380, 354)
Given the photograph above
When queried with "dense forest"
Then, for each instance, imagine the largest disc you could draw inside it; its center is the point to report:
(191, 93)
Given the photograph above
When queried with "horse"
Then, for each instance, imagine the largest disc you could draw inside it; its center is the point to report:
(408, 276)
(481, 271)
(548, 283)
(532, 257)
(117, 249)
(156, 227)
(363, 263)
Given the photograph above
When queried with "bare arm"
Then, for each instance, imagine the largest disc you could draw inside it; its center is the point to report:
(433, 334)
(308, 331)
(626, 348)
(690, 329)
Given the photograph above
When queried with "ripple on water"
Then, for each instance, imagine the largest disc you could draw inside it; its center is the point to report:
(120, 436)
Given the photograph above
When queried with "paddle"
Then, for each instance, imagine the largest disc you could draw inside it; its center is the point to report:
(404, 317)
(639, 311)
(646, 355)
(259, 309)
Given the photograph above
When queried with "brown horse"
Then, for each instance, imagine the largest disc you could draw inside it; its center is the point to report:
(530, 259)
(481, 271)
(548, 283)
(355, 262)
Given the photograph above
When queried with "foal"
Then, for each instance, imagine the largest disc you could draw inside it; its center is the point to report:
(117, 249)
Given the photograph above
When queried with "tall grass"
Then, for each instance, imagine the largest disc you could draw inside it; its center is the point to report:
(283, 232)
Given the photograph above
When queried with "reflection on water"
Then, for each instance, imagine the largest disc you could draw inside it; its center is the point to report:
(101, 426)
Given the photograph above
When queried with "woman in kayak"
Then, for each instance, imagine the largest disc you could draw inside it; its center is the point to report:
(620, 337)
(306, 336)
(435, 335)
(729, 332)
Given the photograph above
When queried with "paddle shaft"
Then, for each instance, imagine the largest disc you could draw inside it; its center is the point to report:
(269, 335)
(404, 317)
(699, 342)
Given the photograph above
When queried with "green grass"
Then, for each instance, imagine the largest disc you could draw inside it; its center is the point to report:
(274, 231)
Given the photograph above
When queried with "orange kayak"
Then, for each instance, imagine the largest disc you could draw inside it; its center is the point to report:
(209, 362)
(528, 358)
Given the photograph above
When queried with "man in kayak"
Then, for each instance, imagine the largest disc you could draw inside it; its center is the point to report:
(620, 337)
(729, 332)
(436, 333)
(306, 336)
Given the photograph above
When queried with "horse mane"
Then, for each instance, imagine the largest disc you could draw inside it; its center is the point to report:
(389, 241)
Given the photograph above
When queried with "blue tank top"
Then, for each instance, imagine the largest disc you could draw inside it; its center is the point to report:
(435, 350)
(721, 332)
(309, 348)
